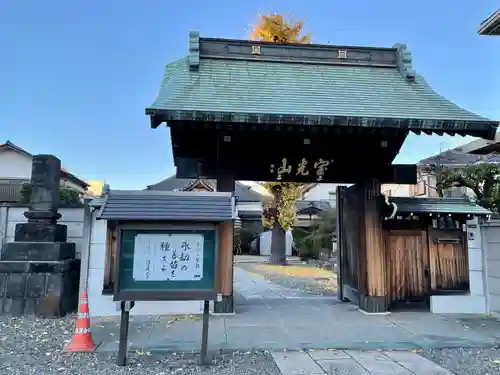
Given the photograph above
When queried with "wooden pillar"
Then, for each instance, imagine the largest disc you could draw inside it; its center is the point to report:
(226, 261)
(225, 269)
(340, 242)
(373, 260)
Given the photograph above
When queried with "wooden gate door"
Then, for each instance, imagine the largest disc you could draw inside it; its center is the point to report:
(348, 243)
(408, 262)
(448, 261)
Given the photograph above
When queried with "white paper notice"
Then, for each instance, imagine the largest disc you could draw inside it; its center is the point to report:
(160, 257)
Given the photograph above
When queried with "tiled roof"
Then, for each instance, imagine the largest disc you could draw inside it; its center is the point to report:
(354, 93)
(438, 205)
(243, 193)
(166, 205)
(491, 25)
(458, 159)
(304, 205)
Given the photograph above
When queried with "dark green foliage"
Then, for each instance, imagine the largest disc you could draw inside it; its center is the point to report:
(67, 196)
(319, 236)
(303, 246)
(483, 179)
(242, 241)
(246, 237)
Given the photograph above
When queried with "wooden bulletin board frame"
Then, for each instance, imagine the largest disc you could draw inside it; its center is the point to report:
(174, 294)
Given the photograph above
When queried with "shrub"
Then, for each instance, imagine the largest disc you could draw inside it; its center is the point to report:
(307, 249)
(304, 244)
(66, 195)
(319, 236)
(246, 237)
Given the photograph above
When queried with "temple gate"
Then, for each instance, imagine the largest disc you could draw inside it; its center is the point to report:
(246, 110)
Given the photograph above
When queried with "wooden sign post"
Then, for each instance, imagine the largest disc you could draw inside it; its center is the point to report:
(172, 264)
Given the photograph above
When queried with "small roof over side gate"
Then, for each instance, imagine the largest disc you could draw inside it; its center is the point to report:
(140, 205)
(419, 205)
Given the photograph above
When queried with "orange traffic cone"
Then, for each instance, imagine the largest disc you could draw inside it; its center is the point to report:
(82, 338)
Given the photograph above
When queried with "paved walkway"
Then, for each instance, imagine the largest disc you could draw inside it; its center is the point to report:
(248, 286)
(261, 259)
(275, 318)
(355, 363)
(297, 324)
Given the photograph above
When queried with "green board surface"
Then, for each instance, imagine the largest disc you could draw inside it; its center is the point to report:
(134, 244)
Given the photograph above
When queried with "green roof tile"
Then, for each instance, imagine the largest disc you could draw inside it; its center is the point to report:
(362, 95)
(256, 87)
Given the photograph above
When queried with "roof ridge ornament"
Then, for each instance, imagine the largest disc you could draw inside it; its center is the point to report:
(105, 190)
(404, 62)
(194, 51)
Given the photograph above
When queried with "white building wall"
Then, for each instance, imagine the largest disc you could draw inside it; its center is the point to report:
(491, 246)
(14, 165)
(71, 185)
(103, 305)
(395, 190)
(321, 192)
(265, 243)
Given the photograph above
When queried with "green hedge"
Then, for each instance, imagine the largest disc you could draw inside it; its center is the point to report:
(66, 195)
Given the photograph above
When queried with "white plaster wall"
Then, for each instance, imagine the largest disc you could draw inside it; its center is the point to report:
(14, 165)
(396, 190)
(321, 192)
(72, 217)
(491, 246)
(265, 243)
(103, 305)
(475, 301)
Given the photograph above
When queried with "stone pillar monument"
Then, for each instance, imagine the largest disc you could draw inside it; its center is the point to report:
(38, 271)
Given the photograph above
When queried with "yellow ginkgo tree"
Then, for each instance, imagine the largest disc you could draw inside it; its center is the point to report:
(275, 28)
(279, 212)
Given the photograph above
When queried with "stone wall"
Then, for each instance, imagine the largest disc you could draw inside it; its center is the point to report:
(34, 287)
(12, 214)
(22, 288)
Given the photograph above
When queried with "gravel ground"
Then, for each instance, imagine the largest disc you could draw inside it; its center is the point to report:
(318, 286)
(34, 346)
(466, 361)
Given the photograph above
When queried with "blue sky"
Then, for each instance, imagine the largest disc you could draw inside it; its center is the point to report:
(75, 76)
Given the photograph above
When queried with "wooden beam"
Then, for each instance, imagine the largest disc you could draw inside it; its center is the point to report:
(405, 174)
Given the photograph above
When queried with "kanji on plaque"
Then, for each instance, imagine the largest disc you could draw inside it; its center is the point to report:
(284, 168)
(302, 168)
(161, 257)
(321, 166)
